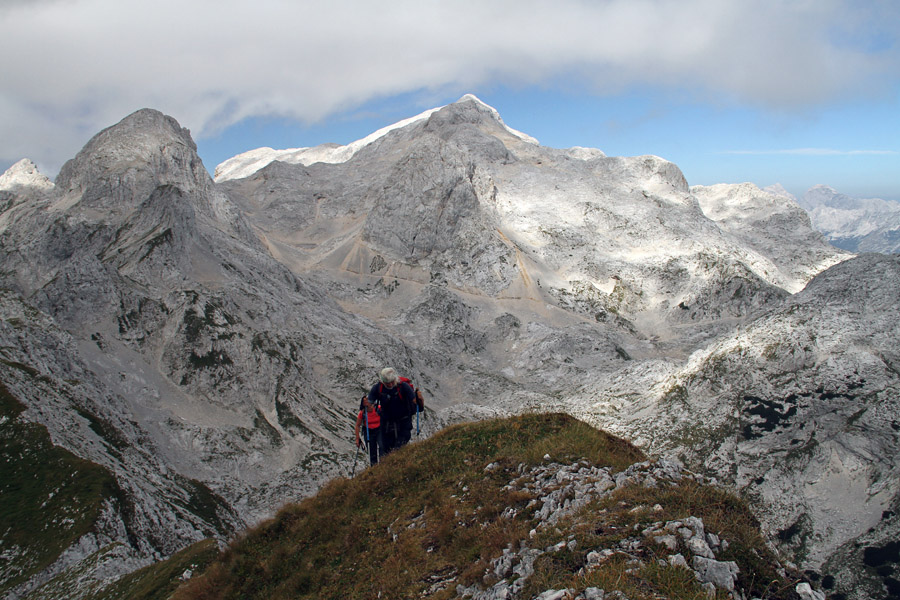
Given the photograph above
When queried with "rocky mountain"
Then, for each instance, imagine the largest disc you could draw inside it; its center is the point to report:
(770, 223)
(457, 200)
(149, 331)
(205, 343)
(855, 224)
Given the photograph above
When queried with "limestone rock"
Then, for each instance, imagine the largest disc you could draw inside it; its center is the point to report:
(22, 176)
(721, 574)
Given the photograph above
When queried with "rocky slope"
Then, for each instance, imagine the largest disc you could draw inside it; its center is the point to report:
(798, 409)
(773, 225)
(221, 333)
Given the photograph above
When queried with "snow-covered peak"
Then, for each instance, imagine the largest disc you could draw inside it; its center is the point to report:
(24, 174)
(247, 163)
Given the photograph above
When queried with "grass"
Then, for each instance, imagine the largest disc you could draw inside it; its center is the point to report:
(48, 496)
(339, 543)
(429, 518)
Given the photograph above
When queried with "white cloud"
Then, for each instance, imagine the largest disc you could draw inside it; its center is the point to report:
(75, 66)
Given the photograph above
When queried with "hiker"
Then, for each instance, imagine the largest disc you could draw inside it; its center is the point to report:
(370, 418)
(398, 402)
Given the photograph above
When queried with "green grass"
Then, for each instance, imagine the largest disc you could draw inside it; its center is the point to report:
(206, 504)
(431, 512)
(48, 496)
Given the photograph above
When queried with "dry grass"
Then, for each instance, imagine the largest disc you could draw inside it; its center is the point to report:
(430, 516)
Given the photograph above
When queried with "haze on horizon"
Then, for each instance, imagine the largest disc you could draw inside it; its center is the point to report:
(797, 93)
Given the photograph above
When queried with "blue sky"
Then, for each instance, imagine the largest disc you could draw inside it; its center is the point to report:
(797, 92)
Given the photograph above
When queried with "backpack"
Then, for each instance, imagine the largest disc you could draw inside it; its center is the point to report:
(418, 398)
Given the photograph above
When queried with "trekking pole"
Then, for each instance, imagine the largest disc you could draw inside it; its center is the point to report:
(368, 449)
(355, 462)
(417, 419)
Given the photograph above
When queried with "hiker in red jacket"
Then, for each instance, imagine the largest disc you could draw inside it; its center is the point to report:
(370, 418)
(398, 402)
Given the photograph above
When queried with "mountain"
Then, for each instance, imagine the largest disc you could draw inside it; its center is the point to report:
(855, 224)
(457, 201)
(202, 344)
(148, 331)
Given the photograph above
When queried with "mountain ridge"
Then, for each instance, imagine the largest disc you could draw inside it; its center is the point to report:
(247, 163)
(586, 519)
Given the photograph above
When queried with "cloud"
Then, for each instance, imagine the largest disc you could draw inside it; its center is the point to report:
(75, 66)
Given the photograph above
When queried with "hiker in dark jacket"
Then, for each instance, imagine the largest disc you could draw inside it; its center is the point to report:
(398, 404)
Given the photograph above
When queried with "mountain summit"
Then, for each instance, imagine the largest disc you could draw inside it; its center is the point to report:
(24, 174)
(247, 163)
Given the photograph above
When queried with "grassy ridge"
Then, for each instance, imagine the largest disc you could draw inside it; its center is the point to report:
(340, 543)
(431, 513)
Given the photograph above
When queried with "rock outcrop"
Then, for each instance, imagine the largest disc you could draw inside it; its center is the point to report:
(772, 224)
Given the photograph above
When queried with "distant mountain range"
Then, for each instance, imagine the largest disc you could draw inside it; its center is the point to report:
(199, 347)
(854, 224)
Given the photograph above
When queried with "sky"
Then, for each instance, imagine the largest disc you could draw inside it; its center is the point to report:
(795, 92)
